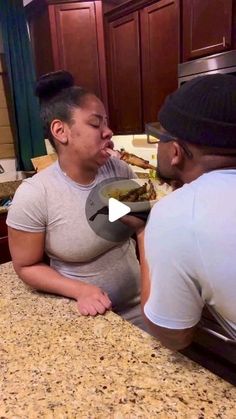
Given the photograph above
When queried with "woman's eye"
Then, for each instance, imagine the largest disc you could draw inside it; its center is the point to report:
(95, 125)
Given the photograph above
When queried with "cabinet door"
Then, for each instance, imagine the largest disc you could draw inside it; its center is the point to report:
(207, 27)
(78, 43)
(5, 255)
(124, 74)
(3, 225)
(40, 35)
(4, 249)
(160, 54)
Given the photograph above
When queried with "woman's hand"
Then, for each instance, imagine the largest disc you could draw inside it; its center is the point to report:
(92, 300)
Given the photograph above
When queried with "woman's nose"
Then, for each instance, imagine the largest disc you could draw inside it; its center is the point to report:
(107, 133)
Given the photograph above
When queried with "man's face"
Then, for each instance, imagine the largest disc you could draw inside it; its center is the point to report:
(164, 159)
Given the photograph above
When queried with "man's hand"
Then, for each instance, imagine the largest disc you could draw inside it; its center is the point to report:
(134, 222)
(92, 300)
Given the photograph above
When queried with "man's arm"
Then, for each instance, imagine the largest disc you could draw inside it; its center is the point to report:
(171, 338)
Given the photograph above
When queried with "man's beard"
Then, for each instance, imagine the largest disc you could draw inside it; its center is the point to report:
(173, 182)
(160, 176)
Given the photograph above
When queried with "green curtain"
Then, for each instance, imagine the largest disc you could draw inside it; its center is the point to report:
(20, 68)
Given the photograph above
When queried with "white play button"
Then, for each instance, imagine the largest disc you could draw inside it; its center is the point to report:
(116, 210)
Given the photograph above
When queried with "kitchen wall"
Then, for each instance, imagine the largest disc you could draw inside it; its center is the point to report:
(136, 144)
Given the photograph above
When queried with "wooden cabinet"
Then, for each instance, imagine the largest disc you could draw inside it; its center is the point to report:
(69, 35)
(207, 27)
(142, 57)
(160, 55)
(125, 98)
(4, 249)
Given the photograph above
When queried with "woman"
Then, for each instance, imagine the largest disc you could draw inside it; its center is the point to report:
(48, 210)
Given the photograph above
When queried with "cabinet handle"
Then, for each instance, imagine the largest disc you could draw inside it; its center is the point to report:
(224, 43)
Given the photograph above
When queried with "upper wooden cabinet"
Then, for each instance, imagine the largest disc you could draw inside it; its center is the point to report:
(207, 27)
(69, 35)
(125, 98)
(160, 54)
(142, 57)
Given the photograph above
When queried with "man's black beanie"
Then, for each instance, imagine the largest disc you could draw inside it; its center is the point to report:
(203, 111)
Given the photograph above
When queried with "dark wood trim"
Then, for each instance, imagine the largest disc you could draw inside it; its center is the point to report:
(68, 1)
(101, 52)
(116, 2)
(37, 5)
(127, 7)
(34, 7)
(54, 37)
(3, 64)
(180, 6)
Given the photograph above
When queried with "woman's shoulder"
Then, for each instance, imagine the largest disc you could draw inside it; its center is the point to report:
(35, 186)
(41, 178)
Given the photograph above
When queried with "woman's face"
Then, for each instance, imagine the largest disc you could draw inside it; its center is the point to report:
(88, 133)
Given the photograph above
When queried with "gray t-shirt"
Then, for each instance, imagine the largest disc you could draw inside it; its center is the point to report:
(53, 203)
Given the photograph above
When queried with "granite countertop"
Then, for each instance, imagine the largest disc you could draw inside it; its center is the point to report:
(7, 190)
(57, 364)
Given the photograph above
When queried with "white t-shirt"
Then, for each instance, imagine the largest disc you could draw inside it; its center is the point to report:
(190, 245)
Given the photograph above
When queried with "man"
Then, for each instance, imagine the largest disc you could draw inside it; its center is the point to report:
(190, 238)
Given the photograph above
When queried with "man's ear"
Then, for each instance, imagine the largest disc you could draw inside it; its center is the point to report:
(59, 131)
(177, 157)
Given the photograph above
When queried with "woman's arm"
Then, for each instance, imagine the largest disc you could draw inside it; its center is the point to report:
(27, 250)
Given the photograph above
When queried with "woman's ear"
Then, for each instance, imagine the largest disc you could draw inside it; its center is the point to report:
(59, 131)
(177, 157)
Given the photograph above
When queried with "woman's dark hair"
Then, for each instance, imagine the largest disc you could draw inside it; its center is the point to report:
(58, 96)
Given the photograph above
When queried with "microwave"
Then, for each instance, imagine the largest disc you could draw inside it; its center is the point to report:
(224, 63)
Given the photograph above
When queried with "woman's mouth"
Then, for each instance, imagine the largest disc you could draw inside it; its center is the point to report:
(107, 149)
(109, 144)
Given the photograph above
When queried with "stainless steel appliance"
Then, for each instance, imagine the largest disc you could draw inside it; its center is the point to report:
(224, 63)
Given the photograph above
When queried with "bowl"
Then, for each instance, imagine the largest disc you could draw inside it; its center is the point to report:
(112, 190)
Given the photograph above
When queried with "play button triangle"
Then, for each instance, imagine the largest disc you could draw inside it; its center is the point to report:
(116, 210)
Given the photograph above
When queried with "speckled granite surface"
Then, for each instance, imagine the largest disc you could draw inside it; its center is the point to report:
(56, 364)
(9, 188)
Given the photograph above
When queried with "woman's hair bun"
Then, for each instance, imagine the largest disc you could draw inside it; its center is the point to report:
(50, 84)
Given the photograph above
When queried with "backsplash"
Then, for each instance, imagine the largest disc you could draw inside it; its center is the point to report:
(9, 165)
(136, 144)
